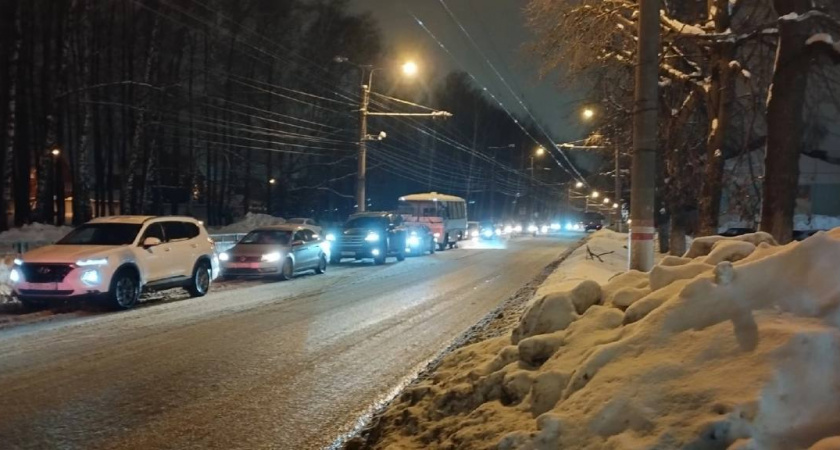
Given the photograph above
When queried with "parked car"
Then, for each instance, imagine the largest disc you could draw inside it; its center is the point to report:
(279, 251)
(117, 258)
(593, 225)
(376, 235)
(732, 232)
(312, 224)
(420, 239)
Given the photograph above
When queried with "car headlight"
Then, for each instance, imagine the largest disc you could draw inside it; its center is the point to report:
(508, 229)
(518, 228)
(555, 226)
(413, 241)
(330, 237)
(271, 257)
(91, 277)
(488, 233)
(18, 262)
(544, 229)
(532, 228)
(92, 262)
(224, 256)
(372, 237)
(437, 235)
(14, 276)
(474, 233)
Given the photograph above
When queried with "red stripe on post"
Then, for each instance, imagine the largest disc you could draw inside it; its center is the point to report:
(642, 236)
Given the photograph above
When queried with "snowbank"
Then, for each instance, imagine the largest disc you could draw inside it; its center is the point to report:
(737, 347)
(801, 222)
(36, 232)
(248, 223)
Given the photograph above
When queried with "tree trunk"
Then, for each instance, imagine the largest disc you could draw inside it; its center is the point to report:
(81, 192)
(721, 93)
(7, 162)
(785, 126)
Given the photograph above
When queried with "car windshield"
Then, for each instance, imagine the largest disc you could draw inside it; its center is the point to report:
(268, 237)
(102, 234)
(364, 222)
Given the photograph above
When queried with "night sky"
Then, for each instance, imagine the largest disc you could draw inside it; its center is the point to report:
(498, 27)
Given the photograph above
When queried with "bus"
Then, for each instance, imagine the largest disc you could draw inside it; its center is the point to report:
(445, 215)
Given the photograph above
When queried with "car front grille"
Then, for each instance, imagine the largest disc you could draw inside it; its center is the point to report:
(352, 241)
(242, 259)
(45, 273)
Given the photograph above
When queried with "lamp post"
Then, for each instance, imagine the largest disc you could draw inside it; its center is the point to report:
(538, 152)
(409, 69)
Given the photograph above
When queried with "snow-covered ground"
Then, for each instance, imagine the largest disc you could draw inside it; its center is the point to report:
(801, 222)
(735, 346)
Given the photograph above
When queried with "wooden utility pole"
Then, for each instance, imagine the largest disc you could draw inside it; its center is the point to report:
(645, 138)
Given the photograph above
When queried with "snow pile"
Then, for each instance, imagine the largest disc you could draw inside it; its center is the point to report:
(5, 287)
(35, 232)
(248, 223)
(735, 346)
(801, 222)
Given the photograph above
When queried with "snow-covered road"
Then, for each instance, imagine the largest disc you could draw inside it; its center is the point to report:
(287, 365)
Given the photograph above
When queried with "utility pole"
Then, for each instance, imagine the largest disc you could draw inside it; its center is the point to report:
(645, 126)
(361, 173)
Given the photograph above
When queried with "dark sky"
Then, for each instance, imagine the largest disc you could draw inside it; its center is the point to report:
(498, 27)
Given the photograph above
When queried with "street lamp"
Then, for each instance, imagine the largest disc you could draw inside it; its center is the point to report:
(55, 152)
(595, 194)
(615, 205)
(579, 184)
(538, 152)
(409, 68)
(588, 114)
(367, 71)
(606, 201)
(272, 181)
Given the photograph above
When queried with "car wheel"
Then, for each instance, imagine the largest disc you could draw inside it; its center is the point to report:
(322, 265)
(401, 255)
(125, 290)
(201, 279)
(287, 272)
(31, 305)
(335, 259)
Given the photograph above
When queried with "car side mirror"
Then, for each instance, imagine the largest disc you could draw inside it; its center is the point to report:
(297, 243)
(150, 242)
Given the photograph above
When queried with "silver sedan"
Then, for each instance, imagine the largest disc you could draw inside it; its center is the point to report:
(279, 251)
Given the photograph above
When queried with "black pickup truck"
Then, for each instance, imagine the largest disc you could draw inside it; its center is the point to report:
(376, 235)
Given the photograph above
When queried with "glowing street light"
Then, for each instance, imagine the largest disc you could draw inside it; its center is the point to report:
(615, 205)
(606, 201)
(272, 181)
(540, 151)
(595, 194)
(55, 152)
(410, 68)
(579, 184)
(588, 114)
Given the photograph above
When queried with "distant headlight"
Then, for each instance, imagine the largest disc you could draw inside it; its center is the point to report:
(224, 256)
(474, 233)
(570, 226)
(532, 228)
(555, 226)
(372, 237)
(488, 233)
(18, 262)
(413, 241)
(91, 277)
(498, 231)
(518, 228)
(14, 276)
(92, 262)
(271, 257)
(330, 237)
(544, 229)
(508, 229)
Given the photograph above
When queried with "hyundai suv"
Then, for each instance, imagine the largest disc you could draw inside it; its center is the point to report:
(116, 258)
(374, 235)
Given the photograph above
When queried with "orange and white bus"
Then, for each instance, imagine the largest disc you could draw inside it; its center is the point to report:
(445, 215)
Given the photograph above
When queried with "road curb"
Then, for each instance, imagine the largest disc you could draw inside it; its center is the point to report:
(367, 432)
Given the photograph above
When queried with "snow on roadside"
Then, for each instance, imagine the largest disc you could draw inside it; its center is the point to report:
(248, 223)
(735, 346)
(35, 232)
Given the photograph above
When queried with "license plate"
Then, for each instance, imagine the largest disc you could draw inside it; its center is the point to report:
(348, 253)
(45, 286)
(244, 265)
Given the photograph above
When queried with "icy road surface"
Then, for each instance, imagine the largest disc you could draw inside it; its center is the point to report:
(289, 365)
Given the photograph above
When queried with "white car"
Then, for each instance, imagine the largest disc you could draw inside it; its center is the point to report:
(312, 224)
(116, 258)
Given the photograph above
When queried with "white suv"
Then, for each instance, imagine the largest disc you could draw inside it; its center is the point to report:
(117, 257)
